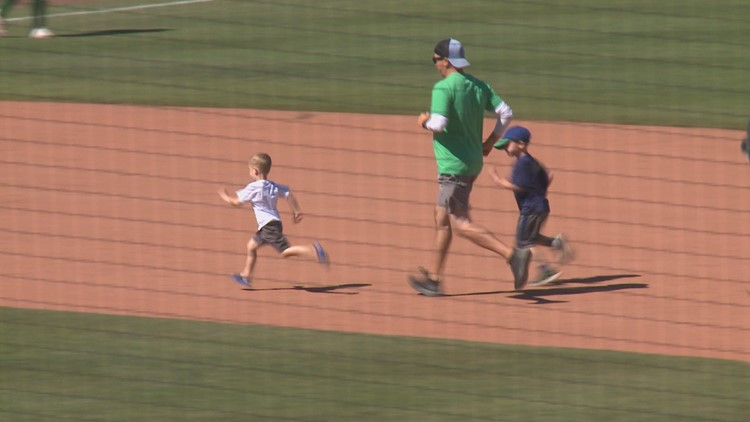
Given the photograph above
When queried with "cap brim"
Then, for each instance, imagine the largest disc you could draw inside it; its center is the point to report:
(459, 63)
(502, 144)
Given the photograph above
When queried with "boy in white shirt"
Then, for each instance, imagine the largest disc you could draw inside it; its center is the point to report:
(263, 195)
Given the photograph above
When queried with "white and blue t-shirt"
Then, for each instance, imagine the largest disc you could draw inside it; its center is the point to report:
(264, 196)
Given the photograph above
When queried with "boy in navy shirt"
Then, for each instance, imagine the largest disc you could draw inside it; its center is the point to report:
(529, 181)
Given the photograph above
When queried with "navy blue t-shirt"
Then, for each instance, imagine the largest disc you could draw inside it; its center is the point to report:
(531, 176)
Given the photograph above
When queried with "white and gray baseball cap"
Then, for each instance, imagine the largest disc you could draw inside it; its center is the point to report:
(453, 51)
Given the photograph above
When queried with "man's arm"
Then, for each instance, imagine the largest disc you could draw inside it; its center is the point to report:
(504, 117)
(432, 122)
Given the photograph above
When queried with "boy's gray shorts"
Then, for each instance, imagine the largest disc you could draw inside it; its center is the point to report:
(529, 229)
(454, 191)
(272, 234)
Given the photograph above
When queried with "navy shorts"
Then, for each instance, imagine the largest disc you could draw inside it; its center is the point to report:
(272, 234)
(528, 229)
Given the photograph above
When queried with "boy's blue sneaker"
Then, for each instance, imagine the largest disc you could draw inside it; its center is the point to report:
(241, 280)
(322, 255)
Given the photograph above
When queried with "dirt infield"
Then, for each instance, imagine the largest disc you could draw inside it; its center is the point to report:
(113, 209)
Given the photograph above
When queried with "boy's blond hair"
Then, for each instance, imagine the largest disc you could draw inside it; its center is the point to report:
(262, 162)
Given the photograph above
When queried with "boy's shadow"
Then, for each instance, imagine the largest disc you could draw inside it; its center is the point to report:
(537, 295)
(321, 289)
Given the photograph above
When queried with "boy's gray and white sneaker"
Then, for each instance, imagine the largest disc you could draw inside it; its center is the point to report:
(567, 255)
(547, 274)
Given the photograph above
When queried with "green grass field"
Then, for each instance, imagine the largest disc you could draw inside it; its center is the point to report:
(68, 366)
(671, 63)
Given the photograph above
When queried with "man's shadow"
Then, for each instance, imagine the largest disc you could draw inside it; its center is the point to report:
(111, 32)
(559, 288)
(538, 295)
(319, 289)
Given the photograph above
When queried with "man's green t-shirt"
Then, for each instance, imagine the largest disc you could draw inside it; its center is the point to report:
(462, 99)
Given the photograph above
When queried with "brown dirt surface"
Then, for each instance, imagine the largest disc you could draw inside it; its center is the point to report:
(113, 209)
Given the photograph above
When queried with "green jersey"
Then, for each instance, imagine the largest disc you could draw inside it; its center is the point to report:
(462, 99)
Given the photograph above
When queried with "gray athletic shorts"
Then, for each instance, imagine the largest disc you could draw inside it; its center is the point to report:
(528, 229)
(272, 234)
(454, 191)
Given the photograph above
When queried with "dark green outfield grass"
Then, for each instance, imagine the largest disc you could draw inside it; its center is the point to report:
(634, 61)
(70, 366)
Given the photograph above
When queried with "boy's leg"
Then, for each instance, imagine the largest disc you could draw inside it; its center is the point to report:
(547, 273)
(246, 276)
(543, 240)
(314, 251)
(561, 244)
(306, 251)
(528, 237)
(273, 234)
(252, 257)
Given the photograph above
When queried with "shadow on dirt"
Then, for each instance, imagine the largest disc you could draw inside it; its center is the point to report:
(565, 287)
(111, 32)
(320, 289)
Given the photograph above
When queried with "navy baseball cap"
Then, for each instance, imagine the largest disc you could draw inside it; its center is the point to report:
(453, 51)
(515, 133)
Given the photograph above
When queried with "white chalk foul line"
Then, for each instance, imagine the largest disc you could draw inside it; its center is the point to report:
(116, 9)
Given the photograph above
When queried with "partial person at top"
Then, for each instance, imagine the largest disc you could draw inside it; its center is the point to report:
(745, 145)
(39, 20)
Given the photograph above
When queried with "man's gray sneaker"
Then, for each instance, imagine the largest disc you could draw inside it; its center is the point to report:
(519, 265)
(425, 285)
